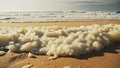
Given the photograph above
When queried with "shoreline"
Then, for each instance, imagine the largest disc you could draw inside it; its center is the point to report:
(69, 24)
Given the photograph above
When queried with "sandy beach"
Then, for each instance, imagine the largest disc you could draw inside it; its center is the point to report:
(107, 58)
(69, 24)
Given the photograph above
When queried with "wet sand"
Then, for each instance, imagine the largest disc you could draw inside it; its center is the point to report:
(59, 23)
(107, 58)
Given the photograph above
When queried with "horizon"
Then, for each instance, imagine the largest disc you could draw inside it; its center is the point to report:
(58, 5)
(61, 11)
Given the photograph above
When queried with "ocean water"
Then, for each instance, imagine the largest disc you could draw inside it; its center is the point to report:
(54, 16)
(59, 5)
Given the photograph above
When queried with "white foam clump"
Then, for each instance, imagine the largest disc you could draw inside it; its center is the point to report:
(58, 41)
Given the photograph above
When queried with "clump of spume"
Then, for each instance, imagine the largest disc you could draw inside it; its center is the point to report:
(56, 41)
(14, 47)
(29, 45)
(4, 37)
(97, 46)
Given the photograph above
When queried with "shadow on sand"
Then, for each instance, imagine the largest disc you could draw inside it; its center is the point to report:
(113, 48)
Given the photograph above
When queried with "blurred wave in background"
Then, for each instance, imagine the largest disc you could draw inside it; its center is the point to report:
(58, 10)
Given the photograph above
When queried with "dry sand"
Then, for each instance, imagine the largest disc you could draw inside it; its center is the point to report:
(107, 58)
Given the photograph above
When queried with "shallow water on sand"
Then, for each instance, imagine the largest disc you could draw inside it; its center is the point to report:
(56, 16)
